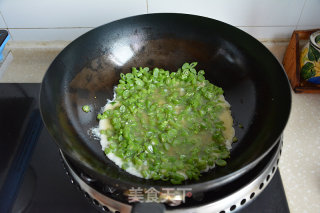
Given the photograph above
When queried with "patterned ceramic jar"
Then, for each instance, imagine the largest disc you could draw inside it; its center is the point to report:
(310, 59)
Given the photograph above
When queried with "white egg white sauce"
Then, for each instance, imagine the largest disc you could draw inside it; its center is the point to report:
(104, 124)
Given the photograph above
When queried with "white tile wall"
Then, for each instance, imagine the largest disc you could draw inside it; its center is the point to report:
(236, 12)
(65, 34)
(2, 23)
(65, 20)
(67, 13)
(269, 33)
(310, 14)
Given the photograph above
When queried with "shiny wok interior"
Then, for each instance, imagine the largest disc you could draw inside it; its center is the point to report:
(87, 70)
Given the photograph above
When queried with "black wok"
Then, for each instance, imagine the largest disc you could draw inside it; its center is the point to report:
(86, 71)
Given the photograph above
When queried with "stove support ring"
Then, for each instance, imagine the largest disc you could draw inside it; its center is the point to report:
(227, 204)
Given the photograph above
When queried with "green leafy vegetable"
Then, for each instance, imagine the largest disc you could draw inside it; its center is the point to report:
(307, 71)
(313, 54)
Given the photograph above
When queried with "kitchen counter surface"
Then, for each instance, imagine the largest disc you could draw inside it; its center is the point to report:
(300, 161)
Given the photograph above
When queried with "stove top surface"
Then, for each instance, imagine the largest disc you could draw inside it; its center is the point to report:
(32, 177)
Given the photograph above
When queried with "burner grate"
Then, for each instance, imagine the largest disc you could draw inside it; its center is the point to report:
(230, 203)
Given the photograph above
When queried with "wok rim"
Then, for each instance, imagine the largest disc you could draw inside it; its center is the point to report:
(205, 185)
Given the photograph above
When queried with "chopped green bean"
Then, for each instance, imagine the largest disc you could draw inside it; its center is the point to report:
(86, 108)
(166, 124)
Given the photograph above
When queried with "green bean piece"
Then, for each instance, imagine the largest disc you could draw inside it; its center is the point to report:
(166, 124)
(86, 108)
(221, 162)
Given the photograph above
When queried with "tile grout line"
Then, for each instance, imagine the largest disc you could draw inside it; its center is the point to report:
(4, 20)
(49, 28)
(147, 1)
(267, 26)
(61, 44)
(304, 4)
(66, 28)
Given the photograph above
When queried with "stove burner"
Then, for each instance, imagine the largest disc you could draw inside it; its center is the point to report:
(238, 194)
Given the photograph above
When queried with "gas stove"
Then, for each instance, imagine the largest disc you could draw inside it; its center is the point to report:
(36, 177)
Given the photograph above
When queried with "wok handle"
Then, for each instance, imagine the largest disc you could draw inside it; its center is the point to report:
(148, 207)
